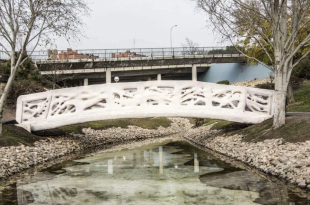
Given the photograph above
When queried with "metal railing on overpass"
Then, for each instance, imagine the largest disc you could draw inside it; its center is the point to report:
(129, 53)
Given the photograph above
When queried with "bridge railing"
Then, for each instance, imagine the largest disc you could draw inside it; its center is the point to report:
(144, 99)
(131, 53)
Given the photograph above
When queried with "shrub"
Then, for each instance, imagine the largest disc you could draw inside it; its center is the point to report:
(297, 82)
(224, 82)
(269, 86)
(22, 87)
(302, 70)
(199, 122)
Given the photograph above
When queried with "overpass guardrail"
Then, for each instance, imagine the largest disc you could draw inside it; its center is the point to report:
(129, 53)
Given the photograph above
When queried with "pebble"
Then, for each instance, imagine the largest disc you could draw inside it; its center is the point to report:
(289, 161)
(17, 158)
(253, 83)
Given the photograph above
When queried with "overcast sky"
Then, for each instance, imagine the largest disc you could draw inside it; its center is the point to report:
(116, 23)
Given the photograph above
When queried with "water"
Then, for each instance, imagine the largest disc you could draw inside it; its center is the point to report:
(166, 173)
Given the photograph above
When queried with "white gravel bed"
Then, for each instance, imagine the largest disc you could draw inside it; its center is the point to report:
(289, 161)
(17, 158)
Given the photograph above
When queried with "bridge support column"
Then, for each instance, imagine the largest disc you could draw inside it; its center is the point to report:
(159, 77)
(86, 82)
(194, 73)
(108, 75)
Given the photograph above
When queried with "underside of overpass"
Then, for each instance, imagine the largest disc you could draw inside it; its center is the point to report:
(134, 75)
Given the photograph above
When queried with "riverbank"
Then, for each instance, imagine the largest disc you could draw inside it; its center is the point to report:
(276, 156)
(278, 152)
(17, 158)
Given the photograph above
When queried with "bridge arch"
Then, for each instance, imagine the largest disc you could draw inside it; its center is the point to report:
(52, 109)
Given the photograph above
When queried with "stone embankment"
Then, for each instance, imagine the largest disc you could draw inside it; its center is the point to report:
(115, 135)
(289, 161)
(253, 83)
(18, 158)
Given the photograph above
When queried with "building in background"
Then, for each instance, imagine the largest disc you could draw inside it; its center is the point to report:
(68, 55)
(127, 54)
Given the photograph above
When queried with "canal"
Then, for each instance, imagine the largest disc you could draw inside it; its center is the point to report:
(167, 172)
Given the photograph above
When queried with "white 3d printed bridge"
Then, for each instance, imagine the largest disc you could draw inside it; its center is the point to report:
(67, 106)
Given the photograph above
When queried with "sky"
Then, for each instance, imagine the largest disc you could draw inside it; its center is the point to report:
(142, 24)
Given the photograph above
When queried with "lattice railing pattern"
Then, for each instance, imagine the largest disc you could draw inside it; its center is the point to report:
(144, 99)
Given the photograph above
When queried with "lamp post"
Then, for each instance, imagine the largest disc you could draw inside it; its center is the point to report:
(171, 37)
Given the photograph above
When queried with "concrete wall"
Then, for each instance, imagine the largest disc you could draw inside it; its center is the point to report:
(234, 72)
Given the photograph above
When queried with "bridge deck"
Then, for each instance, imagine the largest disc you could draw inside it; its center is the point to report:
(61, 107)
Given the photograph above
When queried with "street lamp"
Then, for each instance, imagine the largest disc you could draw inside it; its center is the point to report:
(116, 79)
(171, 36)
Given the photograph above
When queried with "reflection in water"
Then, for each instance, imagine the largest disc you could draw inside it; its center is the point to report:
(161, 166)
(157, 175)
(110, 166)
(134, 159)
(196, 163)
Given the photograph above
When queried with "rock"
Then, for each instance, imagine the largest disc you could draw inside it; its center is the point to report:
(302, 185)
(290, 161)
(15, 159)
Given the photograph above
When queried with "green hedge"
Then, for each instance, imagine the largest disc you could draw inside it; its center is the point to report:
(224, 82)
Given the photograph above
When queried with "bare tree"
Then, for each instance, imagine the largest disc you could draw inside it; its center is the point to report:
(25, 24)
(280, 28)
(190, 47)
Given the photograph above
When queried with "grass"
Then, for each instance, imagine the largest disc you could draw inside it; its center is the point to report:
(302, 97)
(223, 125)
(295, 130)
(14, 136)
(191, 120)
(147, 123)
(220, 124)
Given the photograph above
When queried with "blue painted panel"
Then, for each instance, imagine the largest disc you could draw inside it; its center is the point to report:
(234, 72)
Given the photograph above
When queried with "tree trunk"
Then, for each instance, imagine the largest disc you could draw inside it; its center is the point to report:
(280, 99)
(290, 93)
(5, 95)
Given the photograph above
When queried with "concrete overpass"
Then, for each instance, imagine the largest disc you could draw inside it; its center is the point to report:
(83, 67)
